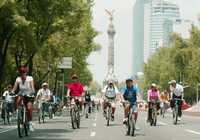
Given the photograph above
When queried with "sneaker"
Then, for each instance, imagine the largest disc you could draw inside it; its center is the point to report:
(179, 118)
(125, 120)
(31, 126)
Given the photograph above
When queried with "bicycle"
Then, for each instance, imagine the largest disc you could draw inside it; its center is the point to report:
(162, 109)
(74, 113)
(153, 119)
(108, 114)
(41, 113)
(22, 121)
(87, 106)
(50, 110)
(176, 110)
(130, 124)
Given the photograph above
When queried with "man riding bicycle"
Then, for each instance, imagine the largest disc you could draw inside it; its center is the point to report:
(75, 91)
(153, 97)
(110, 92)
(130, 94)
(26, 87)
(176, 93)
(8, 101)
(44, 96)
(88, 101)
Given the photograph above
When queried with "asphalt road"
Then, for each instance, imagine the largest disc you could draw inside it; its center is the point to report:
(95, 128)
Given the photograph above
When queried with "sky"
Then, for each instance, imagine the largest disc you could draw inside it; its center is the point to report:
(189, 9)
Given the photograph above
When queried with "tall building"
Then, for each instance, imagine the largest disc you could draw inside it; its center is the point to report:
(153, 22)
(138, 35)
(163, 15)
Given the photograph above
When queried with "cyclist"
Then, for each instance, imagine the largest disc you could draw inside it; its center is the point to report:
(8, 101)
(44, 96)
(26, 89)
(164, 97)
(176, 93)
(88, 100)
(131, 94)
(153, 96)
(75, 91)
(110, 93)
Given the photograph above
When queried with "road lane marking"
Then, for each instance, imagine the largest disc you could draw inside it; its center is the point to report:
(193, 132)
(94, 124)
(7, 130)
(92, 134)
(162, 123)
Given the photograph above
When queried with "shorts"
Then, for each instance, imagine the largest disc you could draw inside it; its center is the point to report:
(134, 108)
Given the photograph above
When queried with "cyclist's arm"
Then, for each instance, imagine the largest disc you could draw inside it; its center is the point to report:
(148, 96)
(15, 86)
(32, 86)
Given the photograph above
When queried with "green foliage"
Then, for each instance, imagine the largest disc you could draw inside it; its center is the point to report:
(38, 33)
(179, 61)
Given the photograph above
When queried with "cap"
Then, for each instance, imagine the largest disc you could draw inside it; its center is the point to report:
(44, 84)
(153, 85)
(172, 82)
(74, 76)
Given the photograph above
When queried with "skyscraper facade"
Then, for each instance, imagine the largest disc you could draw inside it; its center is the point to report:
(138, 35)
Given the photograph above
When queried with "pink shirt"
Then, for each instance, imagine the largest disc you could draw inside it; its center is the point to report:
(153, 95)
(76, 89)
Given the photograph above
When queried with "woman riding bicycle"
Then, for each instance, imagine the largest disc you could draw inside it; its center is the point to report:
(153, 97)
(26, 87)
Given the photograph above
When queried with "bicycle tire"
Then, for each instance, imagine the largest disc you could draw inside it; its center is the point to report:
(72, 114)
(20, 126)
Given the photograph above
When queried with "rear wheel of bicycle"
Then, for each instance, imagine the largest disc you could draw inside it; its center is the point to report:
(50, 112)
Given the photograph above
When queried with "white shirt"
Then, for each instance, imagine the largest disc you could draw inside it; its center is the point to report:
(8, 97)
(43, 94)
(25, 87)
(178, 91)
(110, 92)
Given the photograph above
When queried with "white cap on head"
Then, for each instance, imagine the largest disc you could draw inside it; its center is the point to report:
(44, 84)
(172, 82)
(153, 85)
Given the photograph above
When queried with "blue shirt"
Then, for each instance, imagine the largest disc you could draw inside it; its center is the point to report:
(130, 94)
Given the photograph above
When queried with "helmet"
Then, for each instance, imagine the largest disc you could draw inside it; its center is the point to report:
(129, 80)
(23, 69)
(44, 84)
(74, 76)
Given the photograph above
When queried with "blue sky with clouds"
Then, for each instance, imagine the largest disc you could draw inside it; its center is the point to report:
(189, 9)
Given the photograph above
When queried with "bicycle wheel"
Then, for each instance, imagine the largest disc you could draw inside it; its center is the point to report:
(108, 116)
(132, 122)
(155, 117)
(175, 115)
(50, 112)
(73, 118)
(77, 119)
(20, 123)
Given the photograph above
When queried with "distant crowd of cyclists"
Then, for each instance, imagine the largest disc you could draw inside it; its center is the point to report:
(24, 89)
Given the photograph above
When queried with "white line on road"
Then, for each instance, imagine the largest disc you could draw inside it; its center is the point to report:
(94, 124)
(92, 134)
(162, 123)
(193, 132)
(7, 130)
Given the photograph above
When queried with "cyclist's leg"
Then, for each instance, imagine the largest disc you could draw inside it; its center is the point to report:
(149, 111)
(105, 105)
(135, 112)
(18, 102)
(29, 110)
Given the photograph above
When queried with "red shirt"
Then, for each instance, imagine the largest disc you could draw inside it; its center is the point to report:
(76, 89)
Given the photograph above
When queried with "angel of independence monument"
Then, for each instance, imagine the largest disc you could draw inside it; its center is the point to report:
(111, 34)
